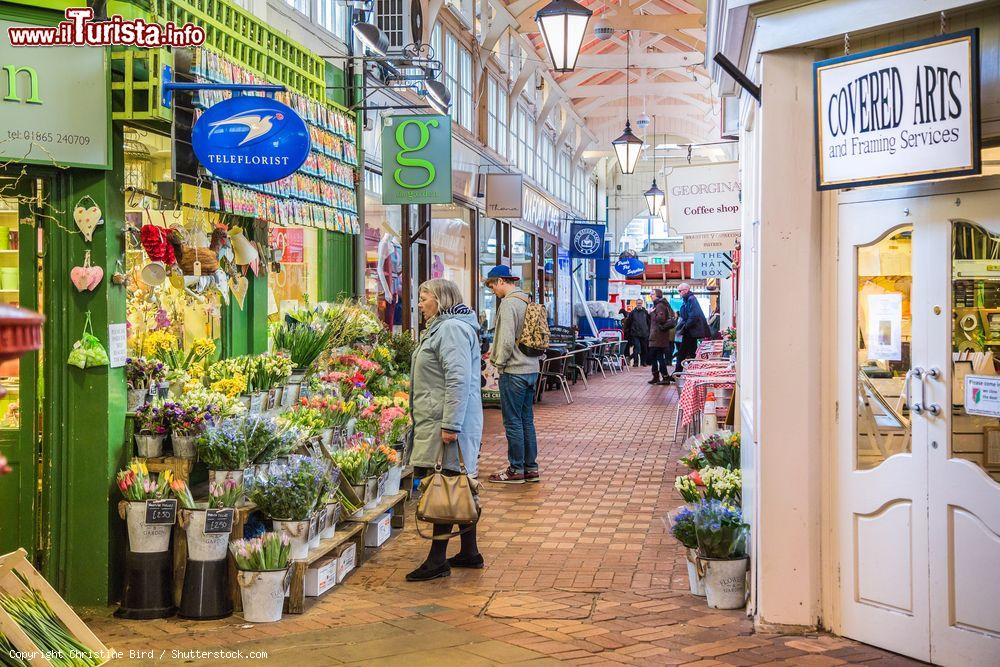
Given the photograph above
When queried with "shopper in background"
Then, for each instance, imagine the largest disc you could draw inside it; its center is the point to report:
(661, 338)
(518, 378)
(691, 325)
(638, 335)
(626, 331)
(447, 408)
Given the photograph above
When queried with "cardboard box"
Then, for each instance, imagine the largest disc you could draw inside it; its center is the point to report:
(378, 530)
(347, 559)
(322, 576)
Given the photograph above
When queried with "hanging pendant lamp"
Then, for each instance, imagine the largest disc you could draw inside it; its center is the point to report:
(628, 146)
(563, 24)
(654, 196)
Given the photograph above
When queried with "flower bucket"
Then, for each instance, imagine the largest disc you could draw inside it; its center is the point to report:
(359, 491)
(725, 582)
(149, 446)
(163, 390)
(144, 538)
(695, 581)
(136, 399)
(332, 519)
(392, 480)
(371, 496)
(263, 594)
(220, 476)
(183, 445)
(244, 399)
(298, 533)
(202, 547)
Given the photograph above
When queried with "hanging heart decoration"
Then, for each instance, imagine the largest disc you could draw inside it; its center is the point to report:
(239, 286)
(86, 277)
(87, 218)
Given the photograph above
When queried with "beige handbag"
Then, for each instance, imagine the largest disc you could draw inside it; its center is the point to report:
(448, 499)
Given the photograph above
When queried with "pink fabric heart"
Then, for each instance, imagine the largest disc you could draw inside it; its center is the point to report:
(80, 277)
(94, 278)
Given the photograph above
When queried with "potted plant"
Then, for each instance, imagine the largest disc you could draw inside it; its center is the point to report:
(222, 495)
(140, 374)
(722, 553)
(275, 440)
(353, 466)
(723, 484)
(303, 336)
(186, 421)
(138, 487)
(262, 564)
(150, 430)
(289, 498)
(229, 448)
(682, 528)
(269, 372)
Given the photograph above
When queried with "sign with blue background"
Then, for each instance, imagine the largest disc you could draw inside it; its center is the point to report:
(630, 267)
(251, 139)
(586, 241)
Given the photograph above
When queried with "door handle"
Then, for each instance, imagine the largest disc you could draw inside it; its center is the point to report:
(915, 407)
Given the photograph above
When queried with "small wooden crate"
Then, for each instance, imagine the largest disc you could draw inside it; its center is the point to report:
(180, 467)
(396, 502)
(346, 532)
(9, 583)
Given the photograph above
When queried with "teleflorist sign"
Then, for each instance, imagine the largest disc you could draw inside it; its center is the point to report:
(904, 113)
(416, 160)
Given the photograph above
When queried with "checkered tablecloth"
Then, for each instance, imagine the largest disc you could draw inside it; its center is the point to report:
(696, 388)
(710, 349)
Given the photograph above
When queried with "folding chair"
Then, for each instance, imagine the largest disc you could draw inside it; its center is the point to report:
(555, 368)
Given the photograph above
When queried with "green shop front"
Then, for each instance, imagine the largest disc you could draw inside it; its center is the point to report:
(93, 167)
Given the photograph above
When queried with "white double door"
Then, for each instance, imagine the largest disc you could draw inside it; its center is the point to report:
(917, 516)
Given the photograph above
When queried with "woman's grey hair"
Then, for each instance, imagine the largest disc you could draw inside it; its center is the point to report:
(445, 291)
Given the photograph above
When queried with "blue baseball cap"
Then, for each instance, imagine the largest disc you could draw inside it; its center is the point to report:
(501, 272)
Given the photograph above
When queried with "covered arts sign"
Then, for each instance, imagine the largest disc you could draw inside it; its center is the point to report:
(904, 113)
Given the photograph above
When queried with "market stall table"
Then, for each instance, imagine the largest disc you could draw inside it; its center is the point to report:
(710, 349)
(697, 382)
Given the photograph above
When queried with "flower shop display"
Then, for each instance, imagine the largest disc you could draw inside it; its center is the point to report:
(290, 496)
(230, 447)
(334, 512)
(141, 374)
(350, 322)
(718, 449)
(262, 565)
(722, 553)
(303, 336)
(682, 528)
(268, 374)
(186, 421)
(723, 484)
(207, 526)
(150, 430)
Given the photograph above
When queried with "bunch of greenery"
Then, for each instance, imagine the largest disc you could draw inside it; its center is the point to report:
(303, 336)
(233, 444)
(682, 527)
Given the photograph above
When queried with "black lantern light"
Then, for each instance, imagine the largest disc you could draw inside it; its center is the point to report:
(563, 24)
(654, 196)
(627, 146)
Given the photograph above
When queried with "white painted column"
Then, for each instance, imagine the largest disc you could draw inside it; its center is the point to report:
(787, 476)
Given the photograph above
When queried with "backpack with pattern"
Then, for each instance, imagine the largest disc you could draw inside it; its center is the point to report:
(533, 340)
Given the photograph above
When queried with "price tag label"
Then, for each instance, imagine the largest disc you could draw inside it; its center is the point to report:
(161, 512)
(220, 521)
(322, 520)
(257, 403)
(312, 528)
(381, 485)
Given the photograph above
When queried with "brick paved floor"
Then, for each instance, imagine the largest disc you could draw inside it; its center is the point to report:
(580, 570)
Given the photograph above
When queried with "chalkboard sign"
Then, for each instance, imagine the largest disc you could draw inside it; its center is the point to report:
(219, 522)
(161, 512)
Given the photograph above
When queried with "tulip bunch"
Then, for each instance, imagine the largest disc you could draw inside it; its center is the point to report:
(183, 494)
(136, 484)
(268, 552)
(224, 494)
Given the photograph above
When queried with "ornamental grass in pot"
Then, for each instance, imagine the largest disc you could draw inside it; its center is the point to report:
(722, 553)
(290, 496)
(263, 575)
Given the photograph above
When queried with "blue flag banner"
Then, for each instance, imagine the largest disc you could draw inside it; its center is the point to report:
(586, 241)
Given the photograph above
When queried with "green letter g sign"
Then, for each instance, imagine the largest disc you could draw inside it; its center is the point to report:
(405, 149)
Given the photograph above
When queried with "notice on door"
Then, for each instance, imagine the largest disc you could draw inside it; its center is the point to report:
(982, 395)
(885, 327)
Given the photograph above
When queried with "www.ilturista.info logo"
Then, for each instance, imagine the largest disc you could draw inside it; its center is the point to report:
(79, 29)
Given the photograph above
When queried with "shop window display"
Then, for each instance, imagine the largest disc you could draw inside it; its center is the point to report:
(294, 278)
(383, 255)
(975, 342)
(523, 258)
(451, 247)
(884, 336)
(489, 230)
(550, 281)
(10, 371)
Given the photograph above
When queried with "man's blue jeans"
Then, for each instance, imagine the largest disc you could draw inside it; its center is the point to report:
(517, 395)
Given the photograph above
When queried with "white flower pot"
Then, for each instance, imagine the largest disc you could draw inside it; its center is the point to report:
(263, 594)
(183, 445)
(332, 518)
(276, 395)
(200, 546)
(695, 581)
(149, 446)
(136, 399)
(725, 582)
(144, 538)
(298, 533)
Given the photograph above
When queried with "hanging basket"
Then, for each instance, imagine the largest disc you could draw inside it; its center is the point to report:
(188, 255)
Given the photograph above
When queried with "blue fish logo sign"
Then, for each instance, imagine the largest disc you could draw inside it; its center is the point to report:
(251, 139)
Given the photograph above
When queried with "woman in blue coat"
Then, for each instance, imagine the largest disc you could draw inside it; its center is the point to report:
(447, 408)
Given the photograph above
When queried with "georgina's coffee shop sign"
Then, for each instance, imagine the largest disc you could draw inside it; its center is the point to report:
(903, 113)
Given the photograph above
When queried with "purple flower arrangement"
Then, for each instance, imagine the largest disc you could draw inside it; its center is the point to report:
(151, 419)
(141, 373)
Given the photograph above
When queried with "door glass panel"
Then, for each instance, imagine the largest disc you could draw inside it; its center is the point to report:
(10, 371)
(975, 285)
(487, 260)
(883, 349)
